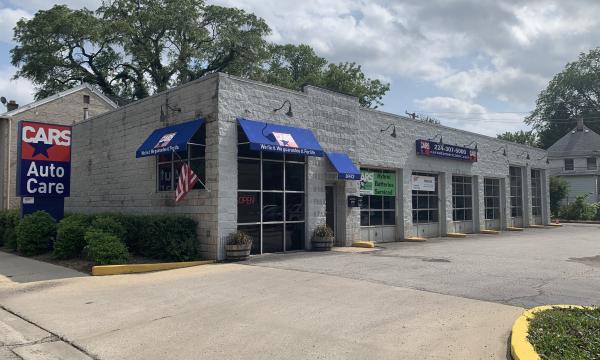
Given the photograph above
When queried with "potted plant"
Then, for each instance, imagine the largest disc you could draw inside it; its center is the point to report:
(322, 239)
(238, 246)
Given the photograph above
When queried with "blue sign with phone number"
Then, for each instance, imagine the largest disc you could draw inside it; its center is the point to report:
(431, 148)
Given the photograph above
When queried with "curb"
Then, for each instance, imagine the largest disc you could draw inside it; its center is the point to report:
(514, 228)
(415, 239)
(489, 232)
(456, 235)
(141, 268)
(363, 244)
(520, 347)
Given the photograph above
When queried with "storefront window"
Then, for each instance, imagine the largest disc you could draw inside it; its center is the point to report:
(491, 197)
(516, 192)
(168, 165)
(271, 198)
(378, 208)
(536, 192)
(425, 203)
(462, 198)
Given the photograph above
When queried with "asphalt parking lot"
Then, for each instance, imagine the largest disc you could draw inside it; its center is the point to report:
(443, 299)
(533, 267)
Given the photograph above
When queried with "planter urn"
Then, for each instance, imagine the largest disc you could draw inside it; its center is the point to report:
(238, 252)
(322, 243)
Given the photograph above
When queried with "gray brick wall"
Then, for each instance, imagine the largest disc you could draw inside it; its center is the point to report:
(108, 177)
(66, 110)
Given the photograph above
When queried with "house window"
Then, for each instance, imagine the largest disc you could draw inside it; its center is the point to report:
(169, 164)
(516, 192)
(425, 203)
(591, 163)
(569, 165)
(86, 99)
(491, 198)
(271, 198)
(462, 198)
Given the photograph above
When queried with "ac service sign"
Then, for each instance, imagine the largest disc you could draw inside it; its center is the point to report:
(44, 160)
(430, 148)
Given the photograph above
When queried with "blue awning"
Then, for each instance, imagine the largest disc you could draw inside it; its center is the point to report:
(280, 138)
(169, 139)
(345, 167)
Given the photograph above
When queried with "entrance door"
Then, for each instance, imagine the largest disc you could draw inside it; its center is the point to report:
(330, 208)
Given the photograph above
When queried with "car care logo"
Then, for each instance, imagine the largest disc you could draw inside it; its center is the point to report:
(473, 155)
(425, 147)
(45, 142)
(165, 140)
(285, 140)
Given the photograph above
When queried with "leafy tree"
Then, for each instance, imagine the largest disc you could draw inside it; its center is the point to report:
(573, 92)
(520, 137)
(132, 49)
(559, 188)
(293, 66)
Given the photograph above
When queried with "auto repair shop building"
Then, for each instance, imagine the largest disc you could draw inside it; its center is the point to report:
(276, 163)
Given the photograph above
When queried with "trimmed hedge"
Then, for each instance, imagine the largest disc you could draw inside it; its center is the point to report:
(9, 219)
(165, 237)
(105, 249)
(70, 236)
(35, 233)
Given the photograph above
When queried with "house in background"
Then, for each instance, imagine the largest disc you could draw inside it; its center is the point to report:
(65, 108)
(575, 158)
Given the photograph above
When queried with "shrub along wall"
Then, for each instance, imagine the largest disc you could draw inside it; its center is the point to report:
(163, 237)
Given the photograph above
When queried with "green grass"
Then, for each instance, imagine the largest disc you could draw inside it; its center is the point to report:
(566, 334)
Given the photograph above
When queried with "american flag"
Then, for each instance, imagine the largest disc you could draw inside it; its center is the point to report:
(186, 182)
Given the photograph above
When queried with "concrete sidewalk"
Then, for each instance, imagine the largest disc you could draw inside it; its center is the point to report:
(229, 311)
(19, 269)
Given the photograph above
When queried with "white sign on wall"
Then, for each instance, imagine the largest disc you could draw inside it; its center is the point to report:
(423, 183)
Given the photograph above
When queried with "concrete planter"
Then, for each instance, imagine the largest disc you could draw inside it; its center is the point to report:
(320, 243)
(238, 252)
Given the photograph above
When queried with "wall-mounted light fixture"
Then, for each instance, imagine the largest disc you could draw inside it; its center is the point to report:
(500, 148)
(436, 135)
(471, 143)
(525, 152)
(545, 156)
(289, 113)
(393, 134)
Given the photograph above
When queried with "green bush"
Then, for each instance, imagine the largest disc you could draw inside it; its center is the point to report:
(70, 236)
(109, 224)
(105, 249)
(8, 221)
(35, 233)
(580, 209)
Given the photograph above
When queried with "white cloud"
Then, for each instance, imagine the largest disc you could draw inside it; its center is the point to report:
(20, 90)
(470, 116)
(8, 20)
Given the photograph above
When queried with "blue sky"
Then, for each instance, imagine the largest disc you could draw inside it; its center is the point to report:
(474, 64)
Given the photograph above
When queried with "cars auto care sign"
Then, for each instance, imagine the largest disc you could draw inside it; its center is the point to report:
(44, 166)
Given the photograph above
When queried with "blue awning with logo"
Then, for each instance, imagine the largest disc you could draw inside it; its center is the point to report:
(280, 138)
(345, 167)
(169, 139)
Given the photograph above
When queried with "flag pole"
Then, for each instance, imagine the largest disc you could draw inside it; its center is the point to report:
(182, 161)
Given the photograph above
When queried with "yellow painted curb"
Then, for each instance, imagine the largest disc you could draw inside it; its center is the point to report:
(489, 231)
(537, 226)
(514, 228)
(140, 268)
(363, 244)
(415, 239)
(520, 347)
(456, 235)
(555, 225)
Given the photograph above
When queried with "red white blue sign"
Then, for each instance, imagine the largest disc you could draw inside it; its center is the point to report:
(436, 149)
(44, 154)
